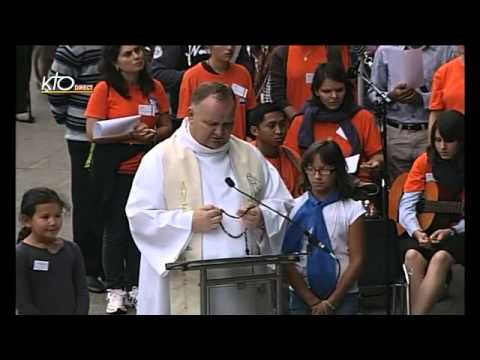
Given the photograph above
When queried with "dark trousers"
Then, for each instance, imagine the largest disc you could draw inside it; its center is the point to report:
(87, 232)
(121, 258)
(23, 71)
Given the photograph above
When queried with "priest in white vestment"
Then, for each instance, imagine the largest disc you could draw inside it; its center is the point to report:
(181, 209)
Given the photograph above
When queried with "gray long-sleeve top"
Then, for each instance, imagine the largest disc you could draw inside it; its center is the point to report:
(58, 288)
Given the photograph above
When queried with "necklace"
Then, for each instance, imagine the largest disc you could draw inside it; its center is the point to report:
(244, 233)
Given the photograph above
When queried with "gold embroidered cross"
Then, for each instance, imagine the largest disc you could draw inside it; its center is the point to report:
(183, 197)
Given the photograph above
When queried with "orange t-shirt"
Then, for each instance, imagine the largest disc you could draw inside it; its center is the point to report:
(301, 64)
(236, 76)
(417, 177)
(106, 103)
(364, 123)
(448, 87)
(287, 170)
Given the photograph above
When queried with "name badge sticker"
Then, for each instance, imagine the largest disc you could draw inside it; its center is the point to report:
(146, 110)
(308, 78)
(239, 90)
(39, 265)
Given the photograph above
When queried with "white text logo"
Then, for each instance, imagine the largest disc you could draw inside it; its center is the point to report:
(58, 84)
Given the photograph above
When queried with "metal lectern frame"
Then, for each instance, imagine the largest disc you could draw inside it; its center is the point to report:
(204, 265)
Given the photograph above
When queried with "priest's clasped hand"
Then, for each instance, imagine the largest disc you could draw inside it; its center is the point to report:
(206, 218)
(252, 217)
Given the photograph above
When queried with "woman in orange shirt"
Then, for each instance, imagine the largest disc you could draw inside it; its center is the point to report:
(448, 87)
(127, 90)
(292, 72)
(332, 113)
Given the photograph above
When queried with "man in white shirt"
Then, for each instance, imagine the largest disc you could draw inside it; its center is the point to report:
(178, 201)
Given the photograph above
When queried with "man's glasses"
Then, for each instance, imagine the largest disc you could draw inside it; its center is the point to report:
(322, 171)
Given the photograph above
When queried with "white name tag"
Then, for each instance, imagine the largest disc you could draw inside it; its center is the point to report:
(39, 265)
(429, 177)
(146, 110)
(308, 78)
(239, 90)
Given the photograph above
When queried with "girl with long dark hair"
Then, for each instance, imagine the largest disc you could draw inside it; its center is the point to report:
(431, 252)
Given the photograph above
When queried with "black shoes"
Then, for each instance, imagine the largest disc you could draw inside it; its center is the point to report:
(95, 285)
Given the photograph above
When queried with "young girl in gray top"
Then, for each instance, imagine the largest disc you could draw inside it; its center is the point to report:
(50, 272)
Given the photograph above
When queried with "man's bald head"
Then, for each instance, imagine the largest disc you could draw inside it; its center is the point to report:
(211, 114)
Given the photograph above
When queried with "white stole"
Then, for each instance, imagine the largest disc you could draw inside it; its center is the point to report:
(182, 181)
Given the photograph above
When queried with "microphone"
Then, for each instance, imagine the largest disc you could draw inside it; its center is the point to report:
(358, 52)
(352, 72)
(366, 191)
(311, 239)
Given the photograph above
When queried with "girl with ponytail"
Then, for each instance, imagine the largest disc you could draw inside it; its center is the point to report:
(50, 272)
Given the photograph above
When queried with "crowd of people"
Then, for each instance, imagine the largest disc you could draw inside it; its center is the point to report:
(284, 122)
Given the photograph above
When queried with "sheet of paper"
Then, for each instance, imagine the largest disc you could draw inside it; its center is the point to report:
(352, 163)
(115, 127)
(405, 66)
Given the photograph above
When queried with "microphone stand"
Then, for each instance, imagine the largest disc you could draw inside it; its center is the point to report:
(381, 114)
(312, 240)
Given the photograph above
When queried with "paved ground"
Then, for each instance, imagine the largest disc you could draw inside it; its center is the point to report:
(42, 160)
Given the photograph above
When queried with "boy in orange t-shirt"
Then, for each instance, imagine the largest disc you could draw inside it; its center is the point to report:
(268, 123)
(218, 68)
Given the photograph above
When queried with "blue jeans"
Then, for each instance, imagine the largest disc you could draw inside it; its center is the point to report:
(348, 306)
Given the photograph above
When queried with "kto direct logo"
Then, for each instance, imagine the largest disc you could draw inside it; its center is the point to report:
(63, 85)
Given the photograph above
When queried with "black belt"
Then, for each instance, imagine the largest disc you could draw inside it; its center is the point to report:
(414, 127)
